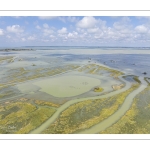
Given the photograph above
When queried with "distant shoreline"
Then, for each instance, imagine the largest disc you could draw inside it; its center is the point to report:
(13, 49)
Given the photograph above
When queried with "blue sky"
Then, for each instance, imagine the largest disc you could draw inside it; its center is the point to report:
(74, 31)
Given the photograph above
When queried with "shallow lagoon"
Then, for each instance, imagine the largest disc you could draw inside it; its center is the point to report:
(67, 86)
(64, 78)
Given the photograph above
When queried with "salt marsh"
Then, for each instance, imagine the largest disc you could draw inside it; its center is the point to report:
(71, 92)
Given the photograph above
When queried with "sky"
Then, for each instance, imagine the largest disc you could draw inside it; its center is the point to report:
(129, 31)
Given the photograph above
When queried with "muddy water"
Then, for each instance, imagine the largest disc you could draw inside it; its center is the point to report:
(67, 86)
(118, 114)
(46, 124)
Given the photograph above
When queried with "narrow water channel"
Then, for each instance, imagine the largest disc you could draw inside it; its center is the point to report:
(46, 124)
(118, 114)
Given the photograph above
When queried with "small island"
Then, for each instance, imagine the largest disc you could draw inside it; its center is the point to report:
(98, 89)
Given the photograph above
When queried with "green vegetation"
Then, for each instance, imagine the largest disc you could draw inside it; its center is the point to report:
(147, 80)
(85, 114)
(114, 73)
(22, 74)
(98, 89)
(45, 103)
(137, 79)
(22, 117)
(5, 58)
(94, 69)
(6, 91)
(137, 118)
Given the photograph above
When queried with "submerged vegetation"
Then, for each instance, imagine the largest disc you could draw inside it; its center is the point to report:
(5, 58)
(95, 69)
(21, 74)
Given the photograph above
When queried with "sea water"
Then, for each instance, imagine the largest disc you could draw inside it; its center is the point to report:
(131, 60)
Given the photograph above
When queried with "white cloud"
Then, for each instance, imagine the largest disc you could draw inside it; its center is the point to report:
(1, 32)
(23, 39)
(62, 31)
(45, 40)
(52, 36)
(84, 31)
(87, 22)
(70, 35)
(143, 17)
(47, 31)
(8, 36)
(31, 38)
(47, 17)
(63, 19)
(45, 25)
(80, 30)
(93, 30)
(72, 19)
(14, 29)
(99, 36)
(73, 34)
(38, 27)
(141, 29)
(17, 17)
(123, 23)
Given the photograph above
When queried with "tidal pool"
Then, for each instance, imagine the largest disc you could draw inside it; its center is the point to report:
(67, 86)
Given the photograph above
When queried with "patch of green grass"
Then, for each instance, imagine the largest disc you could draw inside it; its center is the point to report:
(146, 79)
(98, 89)
(45, 103)
(137, 79)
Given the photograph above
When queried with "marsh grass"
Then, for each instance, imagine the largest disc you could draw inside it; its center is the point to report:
(22, 117)
(94, 69)
(21, 74)
(5, 58)
(45, 103)
(98, 89)
(137, 118)
(147, 80)
(84, 115)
